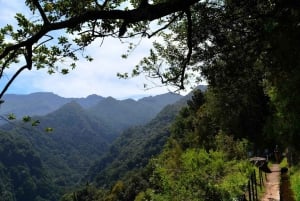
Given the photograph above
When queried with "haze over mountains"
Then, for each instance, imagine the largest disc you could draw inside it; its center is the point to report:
(42, 103)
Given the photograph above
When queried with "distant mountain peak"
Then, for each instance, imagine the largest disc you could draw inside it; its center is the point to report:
(93, 96)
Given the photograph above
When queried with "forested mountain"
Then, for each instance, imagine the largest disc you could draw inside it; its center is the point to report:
(80, 136)
(120, 115)
(134, 147)
(76, 140)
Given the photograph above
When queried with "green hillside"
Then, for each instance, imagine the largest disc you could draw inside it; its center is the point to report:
(22, 173)
(133, 148)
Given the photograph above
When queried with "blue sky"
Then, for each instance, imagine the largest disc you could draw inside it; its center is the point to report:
(96, 77)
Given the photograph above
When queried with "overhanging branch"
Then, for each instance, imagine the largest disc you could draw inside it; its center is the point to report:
(151, 12)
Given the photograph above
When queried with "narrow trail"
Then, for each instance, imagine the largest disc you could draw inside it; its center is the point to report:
(272, 185)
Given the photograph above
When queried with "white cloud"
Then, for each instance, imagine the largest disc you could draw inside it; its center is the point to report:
(99, 76)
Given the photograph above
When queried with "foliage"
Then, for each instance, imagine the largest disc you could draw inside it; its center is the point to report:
(295, 182)
(70, 148)
(183, 129)
(22, 174)
(86, 193)
(186, 171)
(201, 121)
(195, 174)
(284, 122)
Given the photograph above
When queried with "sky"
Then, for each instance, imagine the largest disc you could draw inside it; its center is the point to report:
(96, 77)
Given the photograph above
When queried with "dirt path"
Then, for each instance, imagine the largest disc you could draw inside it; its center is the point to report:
(272, 185)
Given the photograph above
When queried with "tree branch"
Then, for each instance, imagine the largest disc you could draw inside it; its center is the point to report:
(164, 27)
(190, 47)
(42, 13)
(103, 5)
(50, 38)
(12, 79)
(151, 12)
(180, 74)
(28, 56)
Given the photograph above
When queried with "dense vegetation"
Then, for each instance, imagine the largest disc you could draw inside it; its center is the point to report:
(22, 174)
(195, 168)
(295, 182)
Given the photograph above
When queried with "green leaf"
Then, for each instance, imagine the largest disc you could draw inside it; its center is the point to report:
(64, 71)
(11, 117)
(35, 123)
(26, 119)
(48, 129)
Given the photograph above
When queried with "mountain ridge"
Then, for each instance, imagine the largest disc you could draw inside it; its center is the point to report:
(42, 103)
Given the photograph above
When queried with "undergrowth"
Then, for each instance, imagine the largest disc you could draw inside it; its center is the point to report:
(295, 182)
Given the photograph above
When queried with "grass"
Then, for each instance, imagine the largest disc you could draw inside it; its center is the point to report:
(284, 163)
